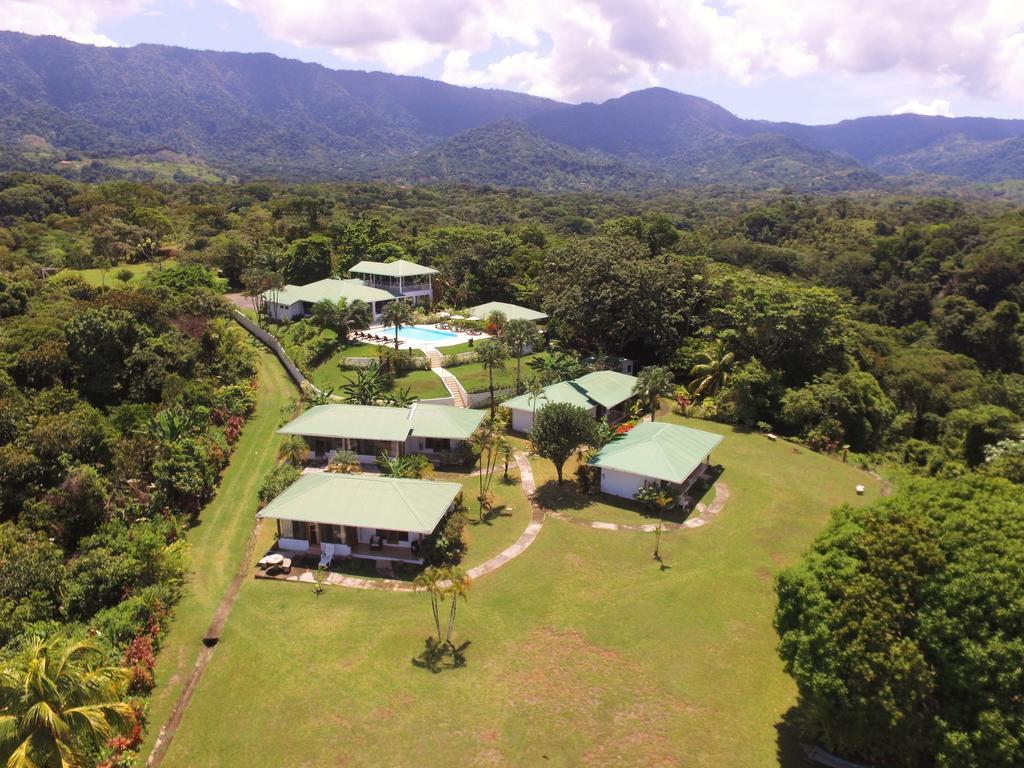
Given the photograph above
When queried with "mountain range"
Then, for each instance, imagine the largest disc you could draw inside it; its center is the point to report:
(261, 115)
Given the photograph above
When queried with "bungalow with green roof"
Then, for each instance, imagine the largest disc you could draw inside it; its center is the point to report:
(654, 453)
(604, 394)
(295, 301)
(510, 311)
(437, 431)
(365, 516)
(401, 278)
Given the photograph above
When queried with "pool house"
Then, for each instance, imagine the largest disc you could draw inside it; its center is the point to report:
(363, 516)
(440, 432)
(604, 395)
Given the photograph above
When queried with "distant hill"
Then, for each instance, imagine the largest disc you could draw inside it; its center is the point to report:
(75, 108)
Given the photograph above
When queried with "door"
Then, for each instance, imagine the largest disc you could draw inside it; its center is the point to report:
(313, 538)
(351, 536)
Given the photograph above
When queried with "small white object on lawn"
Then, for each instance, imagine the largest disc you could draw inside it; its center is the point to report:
(860, 490)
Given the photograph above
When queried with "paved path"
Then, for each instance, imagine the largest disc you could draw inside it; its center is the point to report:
(395, 585)
(704, 515)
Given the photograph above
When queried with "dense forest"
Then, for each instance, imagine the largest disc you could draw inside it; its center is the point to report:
(885, 330)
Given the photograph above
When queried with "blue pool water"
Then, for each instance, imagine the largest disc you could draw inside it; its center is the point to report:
(424, 333)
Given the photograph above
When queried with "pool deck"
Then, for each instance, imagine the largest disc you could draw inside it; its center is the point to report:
(458, 337)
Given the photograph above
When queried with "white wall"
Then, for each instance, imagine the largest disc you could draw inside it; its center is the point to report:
(282, 312)
(522, 421)
(624, 484)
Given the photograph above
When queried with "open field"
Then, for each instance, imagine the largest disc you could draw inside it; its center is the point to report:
(108, 277)
(217, 543)
(582, 651)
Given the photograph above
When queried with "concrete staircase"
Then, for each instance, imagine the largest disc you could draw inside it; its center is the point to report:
(436, 360)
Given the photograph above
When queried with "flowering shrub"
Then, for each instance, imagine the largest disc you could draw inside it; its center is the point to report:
(624, 427)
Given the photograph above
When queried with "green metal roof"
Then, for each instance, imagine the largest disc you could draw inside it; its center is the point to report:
(329, 288)
(562, 392)
(607, 388)
(398, 268)
(373, 422)
(511, 311)
(431, 420)
(666, 452)
(364, 500)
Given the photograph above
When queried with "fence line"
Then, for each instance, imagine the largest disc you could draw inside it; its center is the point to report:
(274, 346)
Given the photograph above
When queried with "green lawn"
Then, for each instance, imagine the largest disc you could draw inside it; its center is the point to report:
(109, 277)
(424, 385)
(582, 651)
(218, 542)
(474, 377)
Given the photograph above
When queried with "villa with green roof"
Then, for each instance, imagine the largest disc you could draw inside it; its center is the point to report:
(654, 453)
(604, 394)
(437, 431)
(365, 516)
(401, 278)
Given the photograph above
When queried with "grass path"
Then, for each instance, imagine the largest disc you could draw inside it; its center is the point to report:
(218, 543)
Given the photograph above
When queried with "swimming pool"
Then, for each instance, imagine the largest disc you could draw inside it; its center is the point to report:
(425, 333)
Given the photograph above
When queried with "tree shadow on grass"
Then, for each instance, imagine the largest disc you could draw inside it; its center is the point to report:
(490, 516)
(551, 495)
(787, 742)
(439, 657)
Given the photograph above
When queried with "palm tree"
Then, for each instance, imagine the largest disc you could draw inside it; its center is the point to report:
(356, 316)
(58, 702)
(536, 390)
(495, 322)
(458, 586)
(492, 354)
(397, 313)
(713, 373)
(294, 451)
(556, 367)
(400, 398)
(518, 335)
(399, 466)
(325, 314)
(652, 384)
(369, 386)
(432, 581)
(345, 463)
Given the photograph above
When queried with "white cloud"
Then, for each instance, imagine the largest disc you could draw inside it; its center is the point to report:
(592, 49)
(76, 20)
(934, 107)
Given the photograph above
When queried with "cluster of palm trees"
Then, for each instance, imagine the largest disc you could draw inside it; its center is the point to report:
(372, 386)
(441, 584)
(711, 374)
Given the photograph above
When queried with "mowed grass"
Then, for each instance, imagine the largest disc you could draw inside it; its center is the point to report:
(108, 277)
(423, 385)
(583, 651)
(474, 376)
(219, 540)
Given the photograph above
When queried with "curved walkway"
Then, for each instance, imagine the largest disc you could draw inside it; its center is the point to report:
(395, 585)
(705, 514)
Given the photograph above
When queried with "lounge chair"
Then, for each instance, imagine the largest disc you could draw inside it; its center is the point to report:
(326, 554)
(376, 542)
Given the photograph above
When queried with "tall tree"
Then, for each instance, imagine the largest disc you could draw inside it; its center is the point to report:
(492, 354)
(397, 313)
(711, 374)
(559, 429)
(59, 701)
(520, 335)
(653, 383)
(458, 588)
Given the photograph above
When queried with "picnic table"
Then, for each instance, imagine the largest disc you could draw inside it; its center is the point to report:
(271, 561)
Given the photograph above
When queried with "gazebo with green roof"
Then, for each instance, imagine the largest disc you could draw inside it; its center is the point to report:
(654, 453)
(367, 516)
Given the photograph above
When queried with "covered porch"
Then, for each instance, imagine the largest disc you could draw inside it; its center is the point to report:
(327, 542)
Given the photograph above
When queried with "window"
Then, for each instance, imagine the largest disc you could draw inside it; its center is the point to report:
(436, 443)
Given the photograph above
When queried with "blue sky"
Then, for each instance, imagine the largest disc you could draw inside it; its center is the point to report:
(811, 61)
